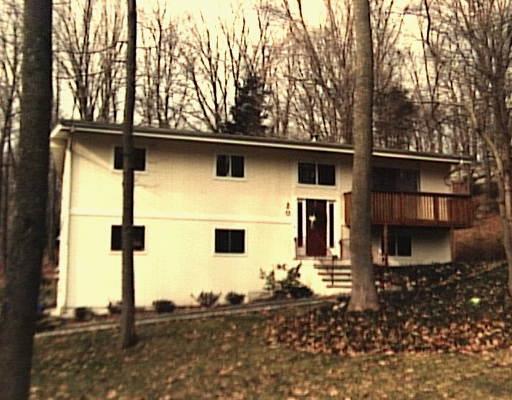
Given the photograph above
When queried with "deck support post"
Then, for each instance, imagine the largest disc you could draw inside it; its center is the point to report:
(385, 249)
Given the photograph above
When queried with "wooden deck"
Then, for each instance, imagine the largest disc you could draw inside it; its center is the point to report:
(442, 210)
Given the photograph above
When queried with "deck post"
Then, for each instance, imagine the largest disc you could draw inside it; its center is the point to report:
(385, 249)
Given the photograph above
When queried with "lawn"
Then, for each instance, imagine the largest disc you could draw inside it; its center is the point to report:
(229, 358)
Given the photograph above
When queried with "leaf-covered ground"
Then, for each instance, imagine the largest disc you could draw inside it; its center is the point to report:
(231, 358)
(446, 308)
(228, 358)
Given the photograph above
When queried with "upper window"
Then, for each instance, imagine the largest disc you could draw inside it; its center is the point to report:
(139, 158)
(230, 241)
(399, 243)
(230, 166)
(139, 233)
(317, 174)
(395, 180)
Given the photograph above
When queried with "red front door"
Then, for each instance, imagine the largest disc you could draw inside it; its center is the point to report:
(316, 228)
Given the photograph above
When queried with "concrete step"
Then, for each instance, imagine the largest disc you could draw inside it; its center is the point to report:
(337, 280)
(332, 267)
(342, 288)
(338, 273)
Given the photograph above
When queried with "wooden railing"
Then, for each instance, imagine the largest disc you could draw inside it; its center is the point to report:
(418, 209)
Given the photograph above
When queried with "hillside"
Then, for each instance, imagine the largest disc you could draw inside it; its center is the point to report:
(459, 307)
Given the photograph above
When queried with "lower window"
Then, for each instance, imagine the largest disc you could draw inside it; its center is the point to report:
(116, 238)
(399, 243)
(230, 241)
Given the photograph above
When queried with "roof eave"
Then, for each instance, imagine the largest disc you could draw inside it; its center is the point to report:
(63, 129)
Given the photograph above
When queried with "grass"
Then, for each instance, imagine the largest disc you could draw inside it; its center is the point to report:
(229, 358)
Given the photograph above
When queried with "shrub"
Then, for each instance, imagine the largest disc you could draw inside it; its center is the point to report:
(164, 306)
(207, 299)
(300, 292)
(234, 298)
(289, 286)
(82, 313)
(114, 308)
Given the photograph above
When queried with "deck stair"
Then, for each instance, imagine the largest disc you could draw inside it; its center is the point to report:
(335, 274)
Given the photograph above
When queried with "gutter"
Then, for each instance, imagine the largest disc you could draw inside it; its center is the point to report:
(60, 130)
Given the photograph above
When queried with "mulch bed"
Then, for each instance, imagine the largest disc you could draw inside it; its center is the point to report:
(444, 308)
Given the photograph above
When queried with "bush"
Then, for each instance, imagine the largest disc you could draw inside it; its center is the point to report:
(164, 306)
(300, 292)
(207, 299)
(234, 298)
(114, 308)
(82, 313)
(290, 286)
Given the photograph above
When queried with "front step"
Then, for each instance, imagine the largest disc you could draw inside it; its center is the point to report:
(335, 274)
(340, 273)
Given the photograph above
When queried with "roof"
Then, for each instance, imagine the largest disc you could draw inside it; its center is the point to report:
(67, 127)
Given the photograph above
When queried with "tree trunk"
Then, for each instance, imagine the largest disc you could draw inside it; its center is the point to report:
(23, 270)
(505, 209)
(364, 293)
(488, 180)
(128, 336)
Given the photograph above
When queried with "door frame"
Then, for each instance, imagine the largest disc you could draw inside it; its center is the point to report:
(330, 224)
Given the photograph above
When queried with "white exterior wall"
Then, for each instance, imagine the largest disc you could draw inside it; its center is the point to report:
(428, 246)
(180, 201)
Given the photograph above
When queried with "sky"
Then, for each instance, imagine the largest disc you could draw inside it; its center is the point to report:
(213, 10)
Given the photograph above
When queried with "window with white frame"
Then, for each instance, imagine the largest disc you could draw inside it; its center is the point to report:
(116, 237)
(230, 166)
(399, 243)
(317, 174)
(229, 241)
(139, 158)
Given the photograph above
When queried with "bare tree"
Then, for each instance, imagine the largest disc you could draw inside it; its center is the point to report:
(128, 336)
(324, 65)
(218, 63)
(23, 274)
(10, 62)
(323, 70)
(483, 52)
(364, 294)
(89, 49)
(282, 88)
(164, 94)
(427, 74)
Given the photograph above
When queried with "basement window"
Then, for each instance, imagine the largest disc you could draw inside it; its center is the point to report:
(230, 241)
(139, 233)
(399, 243)
(139, 158)
(230, 166)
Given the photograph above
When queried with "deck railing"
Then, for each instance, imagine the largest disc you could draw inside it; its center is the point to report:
(418, 209)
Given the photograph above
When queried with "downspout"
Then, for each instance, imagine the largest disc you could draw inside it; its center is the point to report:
(63, 284)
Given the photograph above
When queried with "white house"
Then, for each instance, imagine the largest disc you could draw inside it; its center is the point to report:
(212, 210)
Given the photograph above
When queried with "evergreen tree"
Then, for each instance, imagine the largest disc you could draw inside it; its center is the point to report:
(395, 116)
(248, 114)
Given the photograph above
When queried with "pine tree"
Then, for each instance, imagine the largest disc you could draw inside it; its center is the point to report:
(248, 114)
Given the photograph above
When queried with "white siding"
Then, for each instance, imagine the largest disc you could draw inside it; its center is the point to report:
(180, 201)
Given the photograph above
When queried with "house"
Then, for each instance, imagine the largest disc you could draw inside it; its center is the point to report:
(212, 210)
